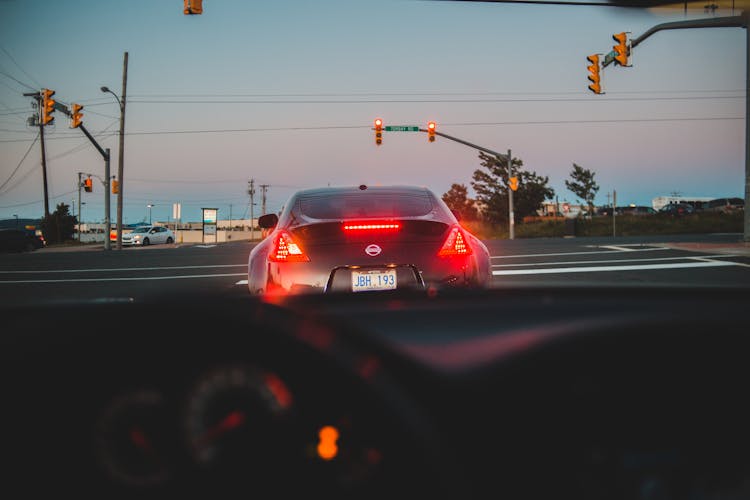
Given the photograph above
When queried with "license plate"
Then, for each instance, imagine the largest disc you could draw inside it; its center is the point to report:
(365, 281)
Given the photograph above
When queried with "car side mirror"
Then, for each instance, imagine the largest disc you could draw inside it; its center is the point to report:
(268, 221)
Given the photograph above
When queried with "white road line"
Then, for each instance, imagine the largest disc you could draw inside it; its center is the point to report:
(241, 282)
(520, 256)
(622, 248)
(592, 269)
(706, 258)
(684, 257)
(160, 268)
(147, 278)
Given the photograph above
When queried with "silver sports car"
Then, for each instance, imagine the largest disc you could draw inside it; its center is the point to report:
(365, 238)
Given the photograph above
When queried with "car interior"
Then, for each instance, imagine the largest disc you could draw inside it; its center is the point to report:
(556, 393)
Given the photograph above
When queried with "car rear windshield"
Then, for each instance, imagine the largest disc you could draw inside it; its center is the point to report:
(368, 205)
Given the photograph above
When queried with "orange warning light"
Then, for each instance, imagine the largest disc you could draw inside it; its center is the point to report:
(327, 447)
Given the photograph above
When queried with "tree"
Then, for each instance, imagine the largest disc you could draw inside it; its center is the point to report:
(583, 185)
(59, 225)
(492, 191)
(457, 199)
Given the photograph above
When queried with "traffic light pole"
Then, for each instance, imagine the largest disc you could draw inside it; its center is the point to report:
(105, 154)
(714, 22)
(740, 21)
(79, 207)
(511, 215)
(480, 148)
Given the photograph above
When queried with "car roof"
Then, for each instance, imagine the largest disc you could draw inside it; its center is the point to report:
(335, 190)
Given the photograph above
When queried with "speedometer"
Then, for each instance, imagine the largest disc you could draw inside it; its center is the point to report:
(238, 416)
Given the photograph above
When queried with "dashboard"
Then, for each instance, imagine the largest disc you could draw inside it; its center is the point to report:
(528, 393)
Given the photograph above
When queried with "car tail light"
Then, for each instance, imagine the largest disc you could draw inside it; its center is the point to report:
(455, 244)
(285, 249)
(362, 227)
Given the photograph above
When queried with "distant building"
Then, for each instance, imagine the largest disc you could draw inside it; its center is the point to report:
(696, 201)
(561, 209)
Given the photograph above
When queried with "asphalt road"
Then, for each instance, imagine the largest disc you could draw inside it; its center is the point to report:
(90, 273)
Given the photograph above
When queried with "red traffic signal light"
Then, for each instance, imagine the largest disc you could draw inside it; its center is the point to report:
(431, 131)
(48, 106)
(594, 75)
(193, 7)
(378, 131)
(76, 115)
(88, 185)
(621, 49)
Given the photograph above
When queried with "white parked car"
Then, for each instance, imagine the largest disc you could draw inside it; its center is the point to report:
(148, 235)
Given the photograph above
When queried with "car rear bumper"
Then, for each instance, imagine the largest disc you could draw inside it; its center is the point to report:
(301, 277)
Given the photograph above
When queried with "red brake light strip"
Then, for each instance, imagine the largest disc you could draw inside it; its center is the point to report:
(371, 227)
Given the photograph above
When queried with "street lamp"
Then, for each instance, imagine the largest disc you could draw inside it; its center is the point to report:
(150, 206)
(16, 216)
(121, 156)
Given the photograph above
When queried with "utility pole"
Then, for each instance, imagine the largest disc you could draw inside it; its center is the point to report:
(263, 189)
(38, 97)
(251, 192)
(121, 152)
(44, 163)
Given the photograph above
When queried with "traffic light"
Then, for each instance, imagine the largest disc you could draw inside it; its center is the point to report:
(431, 131)
(48, 106)
(378, 131)
(76, 115)
(594, 75)
(88, 185)
(115, 186)
(513, 183)
(621, 49)
(193, 7)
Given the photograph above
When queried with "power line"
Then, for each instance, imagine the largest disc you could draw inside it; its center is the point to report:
(19, 67)
(453, 124)
(426, 101)
(421, 93)
(18, 81)
(19, 164)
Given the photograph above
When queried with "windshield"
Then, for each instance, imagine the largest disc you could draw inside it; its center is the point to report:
(375, 248)
(236, 107)
(370, 205)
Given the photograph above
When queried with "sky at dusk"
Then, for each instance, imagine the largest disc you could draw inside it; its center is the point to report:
(286, 92)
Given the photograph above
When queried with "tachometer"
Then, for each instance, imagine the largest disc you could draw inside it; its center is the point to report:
(132, 439)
